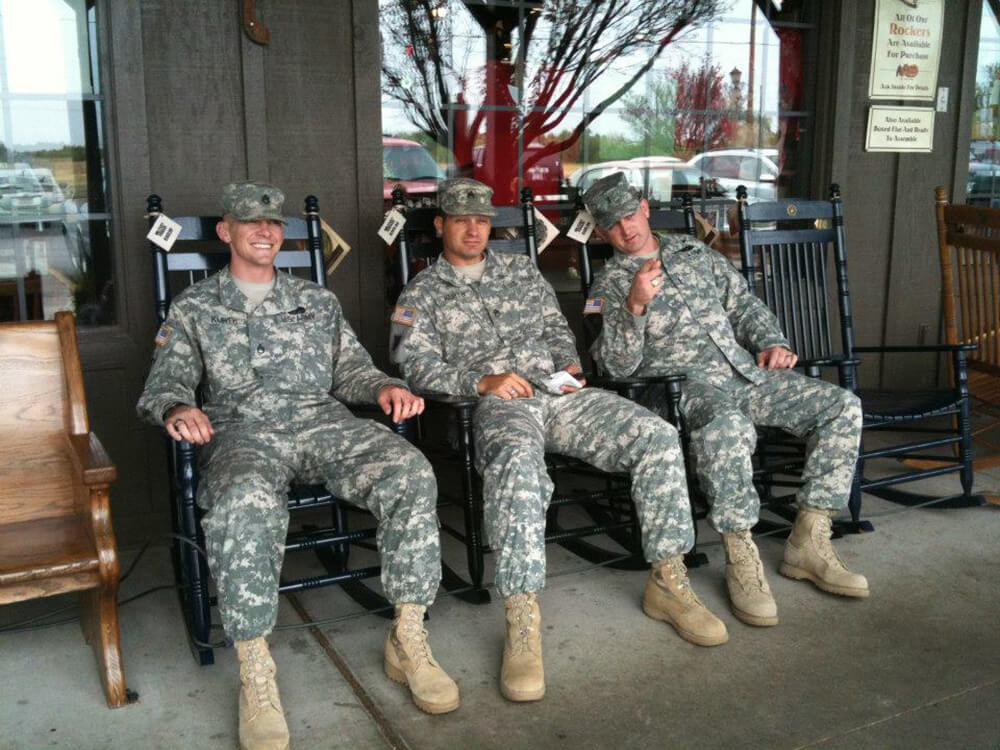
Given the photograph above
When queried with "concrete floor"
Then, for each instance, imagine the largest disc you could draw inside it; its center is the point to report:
(915, 666)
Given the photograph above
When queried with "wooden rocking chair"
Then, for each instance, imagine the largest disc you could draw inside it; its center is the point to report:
(969, 244)
(55, 525)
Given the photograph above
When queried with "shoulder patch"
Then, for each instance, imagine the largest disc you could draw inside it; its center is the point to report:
(593, 305)
(404, 315)
(163, 335)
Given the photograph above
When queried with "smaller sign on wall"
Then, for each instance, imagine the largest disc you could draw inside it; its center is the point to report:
(903, 129)
(906, 49)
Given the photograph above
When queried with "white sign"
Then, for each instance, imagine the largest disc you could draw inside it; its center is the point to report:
(906, 49)
(392, 226)
(904, 129)
(582, 228)
(164, 232)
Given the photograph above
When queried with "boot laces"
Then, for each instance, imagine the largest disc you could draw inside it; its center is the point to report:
(524, 621)
(676, 570)
(746, 561)
(822, 532)
(262, 690)
(413, 637)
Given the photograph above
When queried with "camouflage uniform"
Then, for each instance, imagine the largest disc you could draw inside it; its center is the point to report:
(706, 324)
(448, 332)
(272, 381)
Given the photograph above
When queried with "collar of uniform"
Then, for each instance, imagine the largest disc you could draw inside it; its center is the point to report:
(631, 263)
(669, 245)
(280, 299)
(446, 271)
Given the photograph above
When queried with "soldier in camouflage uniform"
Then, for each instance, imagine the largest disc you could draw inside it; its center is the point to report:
(669, 304)
(275, 357)
(477, 323)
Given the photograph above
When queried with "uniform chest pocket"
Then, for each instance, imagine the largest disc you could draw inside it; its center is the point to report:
(518, 318)
(294, 349)
(668, 315)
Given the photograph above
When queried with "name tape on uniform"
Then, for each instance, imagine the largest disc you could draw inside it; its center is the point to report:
(582, 228)
(551, 232)
(392, 226)
(164, 232)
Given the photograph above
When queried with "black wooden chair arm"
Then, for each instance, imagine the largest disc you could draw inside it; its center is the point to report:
(605, 381)
(925, 348)
(827, 362)
(448, 399)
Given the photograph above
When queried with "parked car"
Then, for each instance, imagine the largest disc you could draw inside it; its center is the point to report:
(756, 168)
(29, 190)
(659, 178)
(409, 164)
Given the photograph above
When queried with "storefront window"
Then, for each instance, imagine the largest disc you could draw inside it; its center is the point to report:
(54, 221)
(984, 148)
(554, 95)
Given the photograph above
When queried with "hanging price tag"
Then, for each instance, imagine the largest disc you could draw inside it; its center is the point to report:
(392, 226)
(583, 227)
(164, 232)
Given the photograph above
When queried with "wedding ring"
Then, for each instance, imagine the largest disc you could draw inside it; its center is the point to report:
(512, 392)
(655, 282)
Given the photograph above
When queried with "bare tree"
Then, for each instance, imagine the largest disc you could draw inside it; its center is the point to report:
(539, 61)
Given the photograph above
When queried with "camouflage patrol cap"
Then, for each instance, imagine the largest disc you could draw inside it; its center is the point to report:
(611, 198)
(250, 201)
(461, 196)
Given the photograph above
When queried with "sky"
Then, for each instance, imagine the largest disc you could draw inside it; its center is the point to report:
(45, 52)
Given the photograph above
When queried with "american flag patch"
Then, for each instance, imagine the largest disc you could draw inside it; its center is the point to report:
(163, 335)
(593, 305)
(404, 315)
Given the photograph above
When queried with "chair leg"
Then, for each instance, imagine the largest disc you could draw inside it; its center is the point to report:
(855, 525)
(340, 552)
(854, 503)
(469, 589)
(965, 428)
(100, 629)
(192, 570)
(472, 510)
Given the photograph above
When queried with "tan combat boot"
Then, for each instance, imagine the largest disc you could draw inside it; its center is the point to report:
(262, 721)
(522, 677)
(669, 597)
(409, 661)
(749, 595)
(809, 555)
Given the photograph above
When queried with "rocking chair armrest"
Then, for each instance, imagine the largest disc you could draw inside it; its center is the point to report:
(372, 411)
(629, 387)
(91, 462)
(448, 399)
(606, 381)
(921, 348)
(828, 362)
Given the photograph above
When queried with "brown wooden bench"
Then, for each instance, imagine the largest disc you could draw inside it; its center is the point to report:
(55, 524)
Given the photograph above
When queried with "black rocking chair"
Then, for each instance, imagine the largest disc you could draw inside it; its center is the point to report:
(794, 256)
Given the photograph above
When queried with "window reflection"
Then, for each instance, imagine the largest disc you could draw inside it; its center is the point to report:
(983, 188)
(523, 94)
(54, 226)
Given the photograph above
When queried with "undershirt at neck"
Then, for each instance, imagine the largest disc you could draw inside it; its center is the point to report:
(474, 272)
(254, 291)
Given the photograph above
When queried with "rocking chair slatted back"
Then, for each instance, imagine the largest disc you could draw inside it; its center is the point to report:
(969, 244)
